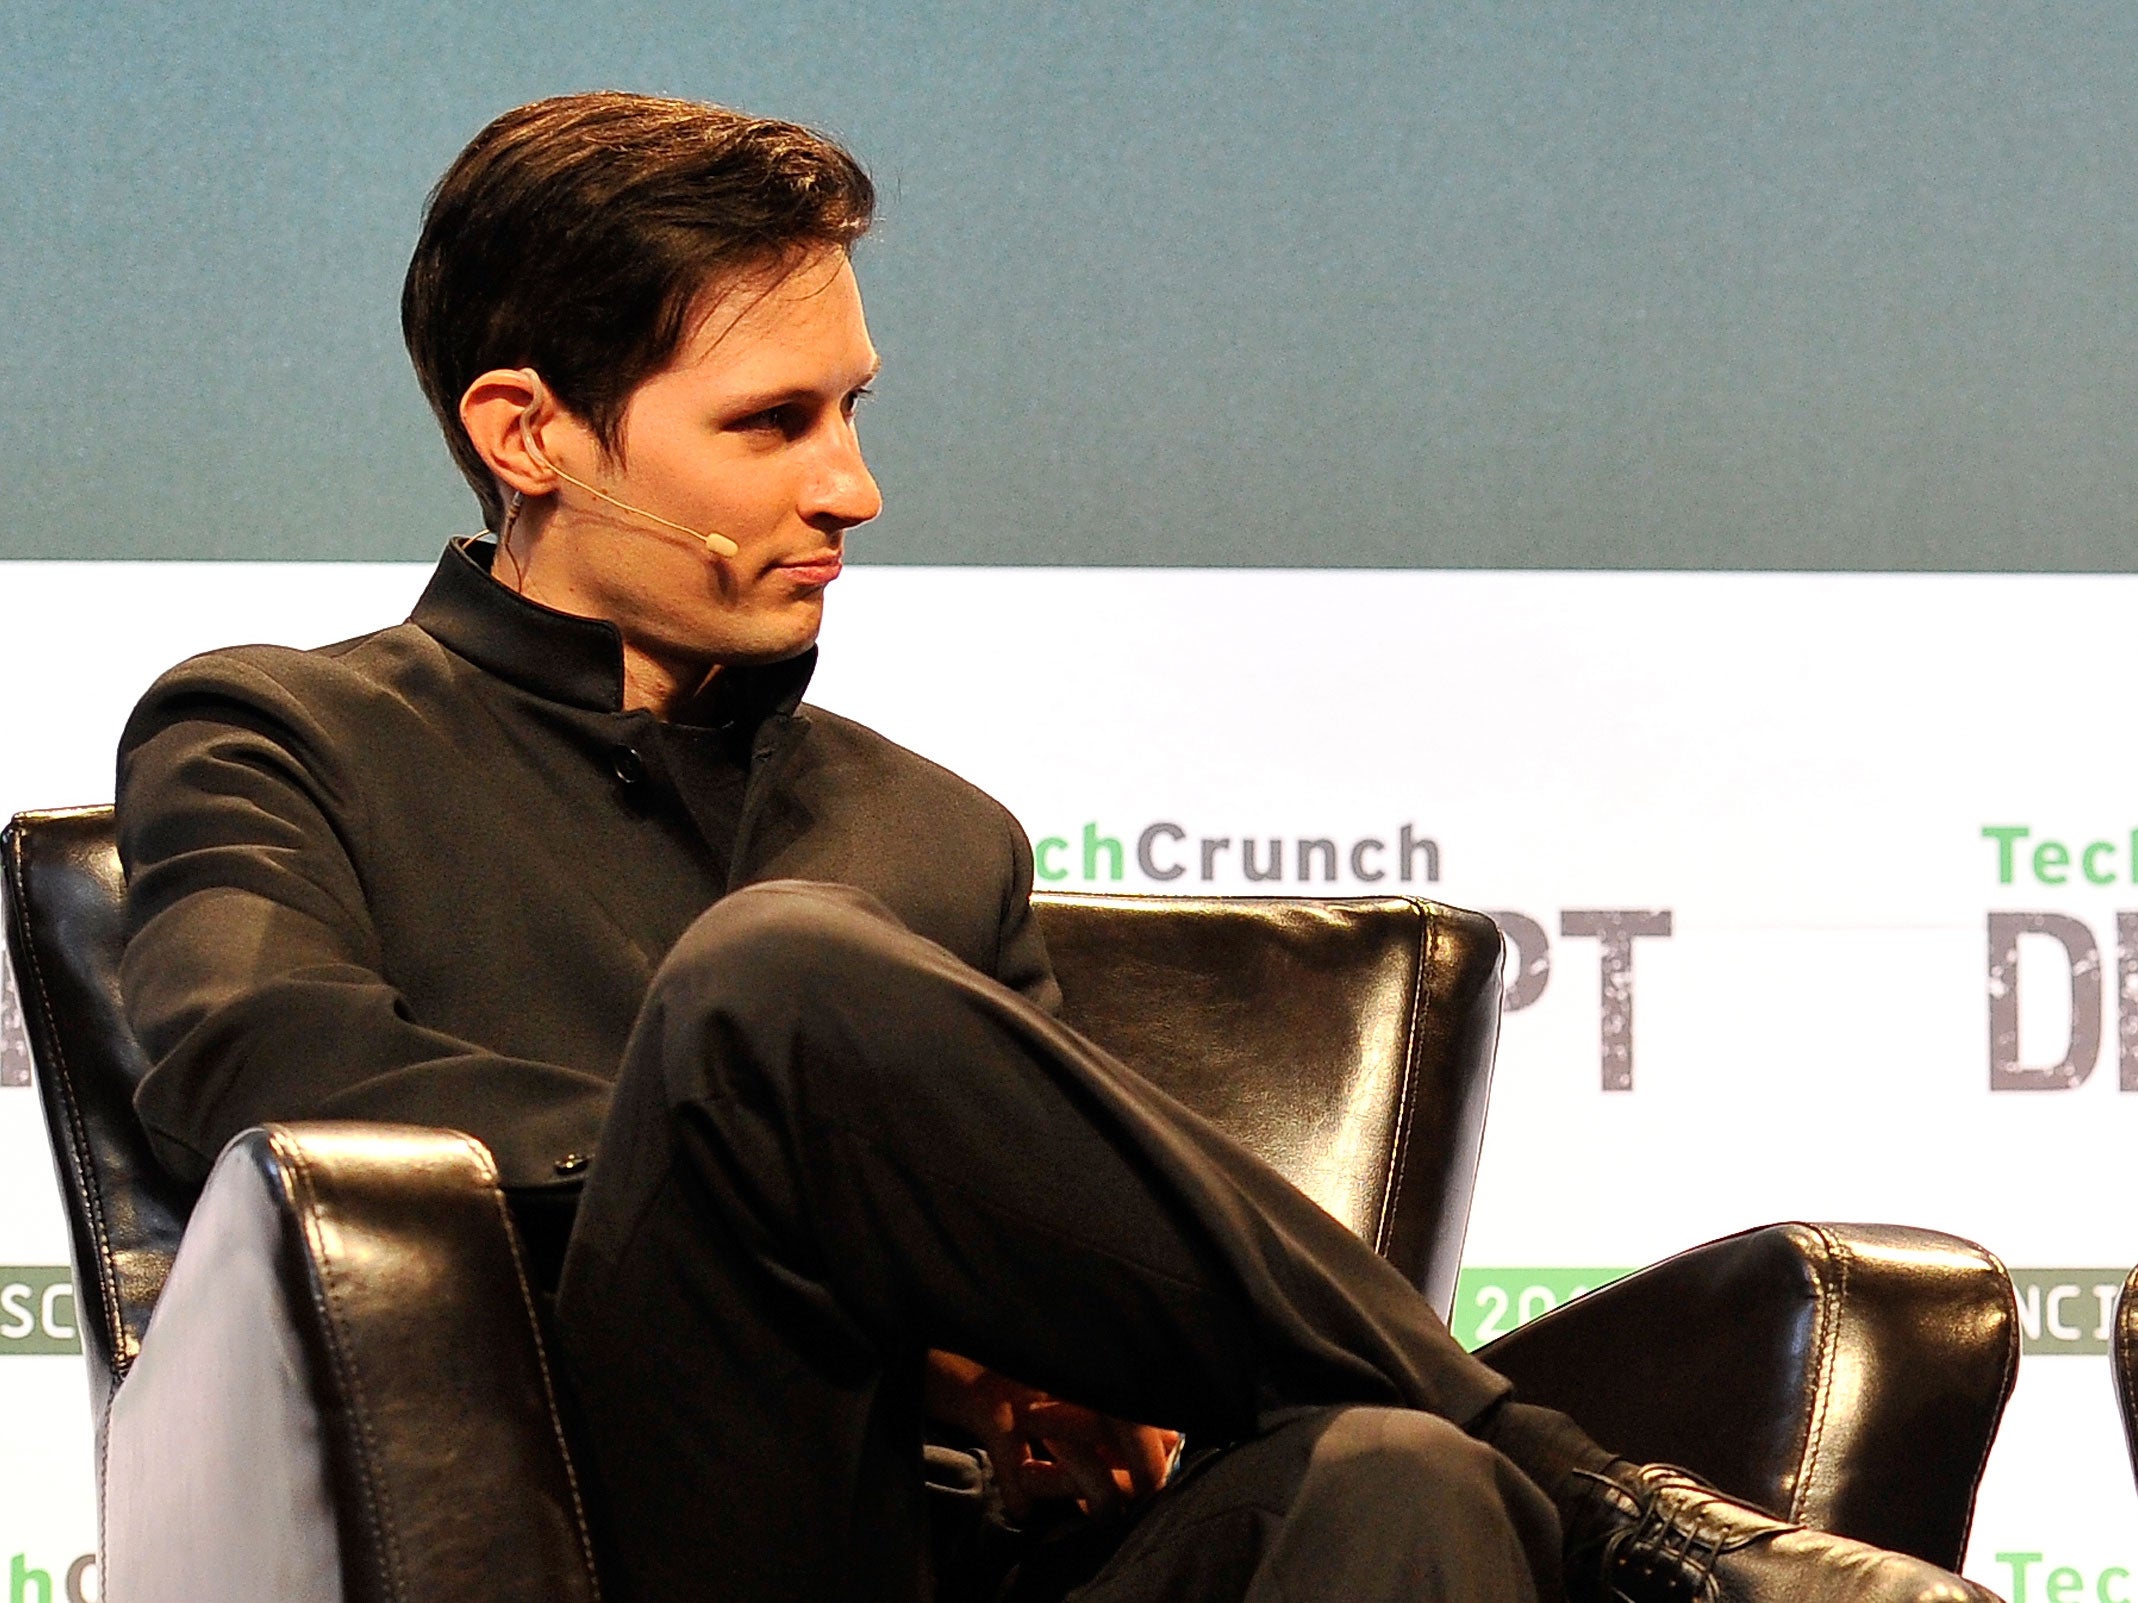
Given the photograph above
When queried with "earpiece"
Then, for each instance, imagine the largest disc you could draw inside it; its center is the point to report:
(718, 545)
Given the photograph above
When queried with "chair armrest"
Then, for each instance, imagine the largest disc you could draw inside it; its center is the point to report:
(1850, 1377)
(342, 1394)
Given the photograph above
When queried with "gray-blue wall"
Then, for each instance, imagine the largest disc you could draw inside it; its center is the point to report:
(1355, 284)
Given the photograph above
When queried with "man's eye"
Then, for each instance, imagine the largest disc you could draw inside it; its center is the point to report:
(854, 400)
(779, 419)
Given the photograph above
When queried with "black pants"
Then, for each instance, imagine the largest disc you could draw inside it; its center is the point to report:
(833, 1147)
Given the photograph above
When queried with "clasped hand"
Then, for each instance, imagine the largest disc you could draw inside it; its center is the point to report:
(1043, 1448)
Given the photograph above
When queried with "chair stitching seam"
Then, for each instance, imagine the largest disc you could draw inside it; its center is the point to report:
(2011, 1375)
(77, 1140)
(549, 1394)
(1830, 1302)
(1396, 1172)
(377, 1512)
(2126, 1360)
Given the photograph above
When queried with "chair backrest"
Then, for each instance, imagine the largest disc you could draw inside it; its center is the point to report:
(65, 930)
(1349, 1043)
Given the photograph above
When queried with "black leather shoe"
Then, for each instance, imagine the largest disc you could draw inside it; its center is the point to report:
(1653, 1534)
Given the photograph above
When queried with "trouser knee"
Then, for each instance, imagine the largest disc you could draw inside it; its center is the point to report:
(1400, 1444)
(783, 939)
(783, 979)
(1414, 1469)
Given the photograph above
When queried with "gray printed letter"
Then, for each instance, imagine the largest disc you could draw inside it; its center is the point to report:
(1529, 959)
(2083, 957)
(1617, 929)
(1410, 843)
(2127, 1001)
(1359, 870)
(1311, 849)
(1148, 861)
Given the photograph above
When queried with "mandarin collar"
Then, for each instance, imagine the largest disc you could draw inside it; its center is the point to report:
(562, 657)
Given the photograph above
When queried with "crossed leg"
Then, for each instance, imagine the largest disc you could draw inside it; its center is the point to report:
(833, 1147)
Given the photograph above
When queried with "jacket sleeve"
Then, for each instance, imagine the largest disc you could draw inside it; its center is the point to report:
(1021, 960)
(253, 975)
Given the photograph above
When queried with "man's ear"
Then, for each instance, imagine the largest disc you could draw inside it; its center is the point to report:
(499, 411)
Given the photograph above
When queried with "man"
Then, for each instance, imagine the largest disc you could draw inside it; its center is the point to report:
(778, 1094)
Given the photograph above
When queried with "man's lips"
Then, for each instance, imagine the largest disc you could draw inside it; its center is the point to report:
(814, 570)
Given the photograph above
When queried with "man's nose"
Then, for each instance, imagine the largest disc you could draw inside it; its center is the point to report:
(842, 491)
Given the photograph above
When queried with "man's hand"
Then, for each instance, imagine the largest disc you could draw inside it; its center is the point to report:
(1043, 1448)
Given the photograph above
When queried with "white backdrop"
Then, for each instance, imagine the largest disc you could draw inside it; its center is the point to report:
(1791, 774)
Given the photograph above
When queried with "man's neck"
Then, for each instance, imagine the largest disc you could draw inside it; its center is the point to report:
(660, 686)
(653, 681)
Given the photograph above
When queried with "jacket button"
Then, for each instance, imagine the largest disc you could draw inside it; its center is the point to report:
(571, 1163)
(629, 767)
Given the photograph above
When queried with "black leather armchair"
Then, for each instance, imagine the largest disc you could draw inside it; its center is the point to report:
(342, 1392)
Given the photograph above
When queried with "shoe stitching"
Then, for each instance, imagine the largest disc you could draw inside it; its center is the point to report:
(1683, 1538)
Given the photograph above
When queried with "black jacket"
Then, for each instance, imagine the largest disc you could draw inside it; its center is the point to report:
(426, 875)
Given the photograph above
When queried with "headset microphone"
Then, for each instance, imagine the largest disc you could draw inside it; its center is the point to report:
(718, 545)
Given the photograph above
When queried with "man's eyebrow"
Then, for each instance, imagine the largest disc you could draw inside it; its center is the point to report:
(767, 400)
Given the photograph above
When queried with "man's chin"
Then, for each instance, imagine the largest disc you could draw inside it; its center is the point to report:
(755, 647)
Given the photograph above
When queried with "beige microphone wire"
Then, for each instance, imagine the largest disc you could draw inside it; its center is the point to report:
(718, 545)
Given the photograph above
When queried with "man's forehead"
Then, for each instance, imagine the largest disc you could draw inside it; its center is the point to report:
(771, 304)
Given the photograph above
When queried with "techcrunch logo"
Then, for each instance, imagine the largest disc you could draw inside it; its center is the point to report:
(2062, 1583)
(27, 1583)
(2056, 862)
(2062, 1312)
(1164, 853)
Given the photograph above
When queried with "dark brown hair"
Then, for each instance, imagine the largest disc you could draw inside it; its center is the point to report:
(575, 235)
